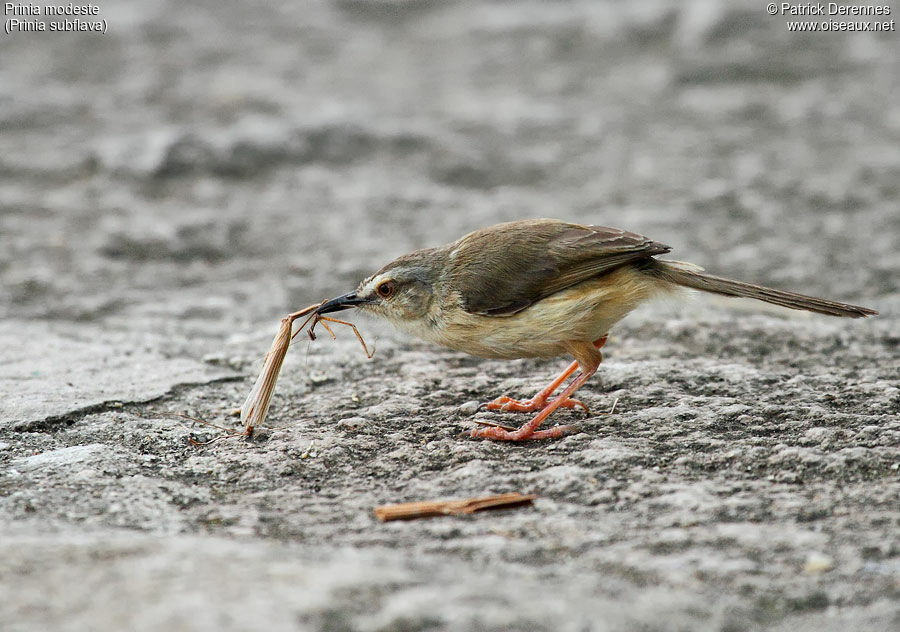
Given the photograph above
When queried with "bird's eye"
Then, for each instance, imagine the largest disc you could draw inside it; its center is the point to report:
(386, 289)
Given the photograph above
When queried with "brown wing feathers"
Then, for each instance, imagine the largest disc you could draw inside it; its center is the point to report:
(503, 270)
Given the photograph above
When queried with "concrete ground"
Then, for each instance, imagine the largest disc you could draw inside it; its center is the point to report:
(170, 189)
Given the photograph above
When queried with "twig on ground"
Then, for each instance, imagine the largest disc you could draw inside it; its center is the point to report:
(431, 508)
(255, 407)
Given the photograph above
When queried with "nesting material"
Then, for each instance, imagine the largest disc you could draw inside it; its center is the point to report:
(256, 406)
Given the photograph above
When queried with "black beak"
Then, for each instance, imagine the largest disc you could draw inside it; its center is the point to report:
(341, 302)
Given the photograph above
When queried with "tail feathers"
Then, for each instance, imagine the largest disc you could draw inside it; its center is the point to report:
(692, 277)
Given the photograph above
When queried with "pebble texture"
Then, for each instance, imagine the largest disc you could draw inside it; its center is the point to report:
(170, 189)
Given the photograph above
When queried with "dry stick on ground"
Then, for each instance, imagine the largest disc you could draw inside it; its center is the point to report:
(431, 508)
(255, 407)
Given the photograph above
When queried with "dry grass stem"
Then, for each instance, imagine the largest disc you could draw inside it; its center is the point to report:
(432, 508)
(494, 424)
(256, 406)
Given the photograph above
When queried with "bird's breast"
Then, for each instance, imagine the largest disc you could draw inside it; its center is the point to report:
(584, 313)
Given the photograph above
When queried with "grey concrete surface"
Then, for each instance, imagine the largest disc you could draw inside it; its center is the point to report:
(170, 189)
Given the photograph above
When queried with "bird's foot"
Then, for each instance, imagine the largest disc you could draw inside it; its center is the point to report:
(589, 362)
(525, 433)
(504, 403)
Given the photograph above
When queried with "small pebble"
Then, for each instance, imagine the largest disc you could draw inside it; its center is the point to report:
(317, 377)
(214, 358)
(817, 563)
(352, 422)
(469, 408)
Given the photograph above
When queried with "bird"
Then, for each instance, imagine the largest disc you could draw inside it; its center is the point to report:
(540, 288)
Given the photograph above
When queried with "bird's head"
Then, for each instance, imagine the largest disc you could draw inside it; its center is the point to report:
(402, 291)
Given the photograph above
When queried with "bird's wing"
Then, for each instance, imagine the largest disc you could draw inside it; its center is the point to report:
(503, 269)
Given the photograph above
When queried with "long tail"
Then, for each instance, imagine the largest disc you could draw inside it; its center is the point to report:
(691, 276)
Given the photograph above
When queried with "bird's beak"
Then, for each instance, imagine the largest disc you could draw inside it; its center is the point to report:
(340, 303)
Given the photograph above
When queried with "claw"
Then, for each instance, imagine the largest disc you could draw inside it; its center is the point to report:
(504, 403)
(492, 424)
(589, 360)
(501, 434)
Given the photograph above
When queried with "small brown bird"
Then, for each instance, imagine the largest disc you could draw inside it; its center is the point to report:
(538, 289)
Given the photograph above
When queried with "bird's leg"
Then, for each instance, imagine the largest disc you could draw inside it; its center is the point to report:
(506, 403)
(588, 358)
(529, 430)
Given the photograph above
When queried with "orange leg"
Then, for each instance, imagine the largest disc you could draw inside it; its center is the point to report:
(506, 403)
(530, 429)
